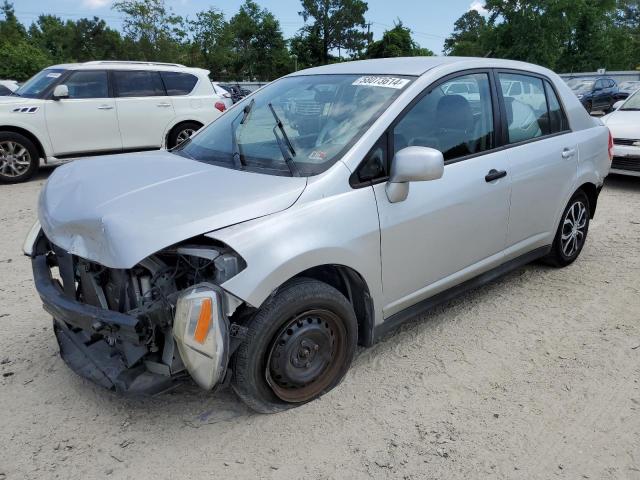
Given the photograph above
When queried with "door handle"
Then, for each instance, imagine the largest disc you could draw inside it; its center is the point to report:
(105, 107)
(568, 152)
(495, 175)
(164, 104)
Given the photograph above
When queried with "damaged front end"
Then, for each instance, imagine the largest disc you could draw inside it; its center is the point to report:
(142, 330)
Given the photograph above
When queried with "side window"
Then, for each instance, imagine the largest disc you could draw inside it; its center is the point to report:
(599, 85)
(375, 164)
(178, 83)
(612, 84)
(138, 83)
(88, 84)
(557, 119)
(527, 116)
(457, 124)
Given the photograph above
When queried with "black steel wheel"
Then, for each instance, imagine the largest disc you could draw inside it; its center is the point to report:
(299, 346)
(306, 355)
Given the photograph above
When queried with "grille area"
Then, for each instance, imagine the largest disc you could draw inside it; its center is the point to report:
(625, 141)
(626, 163)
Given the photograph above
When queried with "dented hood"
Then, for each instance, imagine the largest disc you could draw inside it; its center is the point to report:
(117, 210)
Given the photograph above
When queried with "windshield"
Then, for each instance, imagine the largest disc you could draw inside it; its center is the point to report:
(584, 87)
(632, 103)
(39, 83)
(321, 117)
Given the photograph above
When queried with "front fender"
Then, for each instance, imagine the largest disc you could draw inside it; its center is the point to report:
(37, 129)
(340, 229)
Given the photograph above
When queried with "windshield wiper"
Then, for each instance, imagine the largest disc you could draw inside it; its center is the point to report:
(247, 110)
(286, 147)
(237, 154)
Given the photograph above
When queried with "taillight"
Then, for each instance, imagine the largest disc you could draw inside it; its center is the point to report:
(220, 106)
(610, 146)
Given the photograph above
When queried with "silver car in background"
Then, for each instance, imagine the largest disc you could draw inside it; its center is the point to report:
(317, 214)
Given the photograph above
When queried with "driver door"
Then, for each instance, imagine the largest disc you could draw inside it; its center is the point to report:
(454, 228)
(86, 121)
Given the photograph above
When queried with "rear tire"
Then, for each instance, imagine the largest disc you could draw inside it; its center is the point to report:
(299, 346)
(572, 232)
(19, 158)
(181, 133)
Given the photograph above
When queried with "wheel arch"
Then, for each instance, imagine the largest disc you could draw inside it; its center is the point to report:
(173, 127)
(31, 136)
(592, 192)
(353, 286)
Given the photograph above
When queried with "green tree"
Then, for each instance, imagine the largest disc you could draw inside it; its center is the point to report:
(51, 35)
(11, 30)
(258, 46)
(156, 31)
(468, 37)
(210, 43)
(396, 42)
(337, 25)
(21, 60)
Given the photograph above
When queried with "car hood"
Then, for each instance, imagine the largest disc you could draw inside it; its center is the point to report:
(117, 210)
(624, 124)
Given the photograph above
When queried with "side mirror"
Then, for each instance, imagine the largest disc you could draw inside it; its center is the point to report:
(61, 91)
(618, 104)
(413, 164)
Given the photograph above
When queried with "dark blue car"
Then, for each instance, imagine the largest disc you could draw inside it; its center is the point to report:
(596, 94)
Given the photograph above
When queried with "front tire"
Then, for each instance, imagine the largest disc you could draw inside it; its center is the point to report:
(572, 231)
(299, 346)
(19, 158)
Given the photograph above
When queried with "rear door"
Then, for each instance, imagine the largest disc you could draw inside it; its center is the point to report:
(543, 160)
(144, 109)
(86, 121)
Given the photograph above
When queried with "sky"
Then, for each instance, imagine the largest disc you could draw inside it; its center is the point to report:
(430, 20)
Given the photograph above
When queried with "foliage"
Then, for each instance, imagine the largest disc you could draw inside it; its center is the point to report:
(468, 37)
(564, 35)
(337, 25)
(396, 42)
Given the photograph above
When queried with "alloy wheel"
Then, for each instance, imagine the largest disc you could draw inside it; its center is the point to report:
(14, 159)
(574, 229)
(184, 135)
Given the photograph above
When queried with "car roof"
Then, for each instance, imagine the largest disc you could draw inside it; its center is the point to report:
(129, 65)
(412, 66)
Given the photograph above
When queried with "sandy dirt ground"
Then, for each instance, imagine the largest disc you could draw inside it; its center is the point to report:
(533, 376)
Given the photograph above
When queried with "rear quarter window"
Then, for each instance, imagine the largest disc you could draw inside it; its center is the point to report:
(178, 83)
(143, 83)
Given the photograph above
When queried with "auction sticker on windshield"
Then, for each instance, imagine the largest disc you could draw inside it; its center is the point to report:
(387, 82)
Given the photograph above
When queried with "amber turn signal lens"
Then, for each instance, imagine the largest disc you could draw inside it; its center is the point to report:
(204, 321)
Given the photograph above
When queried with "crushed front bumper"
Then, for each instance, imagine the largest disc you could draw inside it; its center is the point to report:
(82, 330)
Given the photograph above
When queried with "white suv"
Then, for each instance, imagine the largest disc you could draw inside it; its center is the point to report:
(95, 108)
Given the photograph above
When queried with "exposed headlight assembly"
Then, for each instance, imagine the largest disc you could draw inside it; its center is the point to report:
(201, 331)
